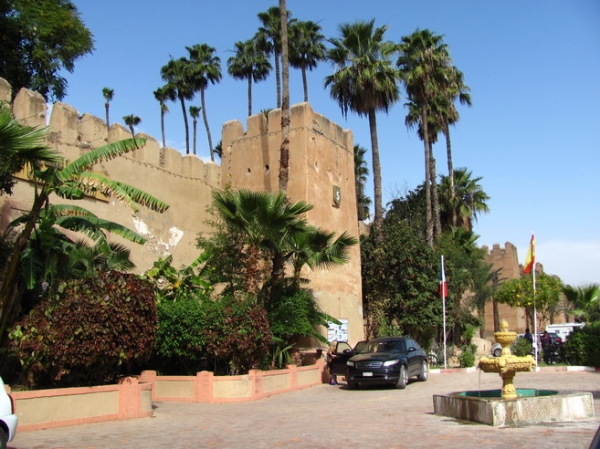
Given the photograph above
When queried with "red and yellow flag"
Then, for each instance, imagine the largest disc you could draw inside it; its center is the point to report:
(530, 260)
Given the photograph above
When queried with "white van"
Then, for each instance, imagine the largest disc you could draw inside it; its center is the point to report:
(564, 330)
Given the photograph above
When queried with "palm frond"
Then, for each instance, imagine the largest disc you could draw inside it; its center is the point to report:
(104, 153)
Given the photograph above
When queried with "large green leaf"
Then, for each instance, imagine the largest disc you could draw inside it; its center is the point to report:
(93, 227)
(105, 153)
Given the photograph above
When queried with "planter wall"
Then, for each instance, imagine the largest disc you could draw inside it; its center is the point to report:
(208, 388)
(43, 409)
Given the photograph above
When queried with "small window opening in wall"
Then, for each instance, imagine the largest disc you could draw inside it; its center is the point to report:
(266, 169)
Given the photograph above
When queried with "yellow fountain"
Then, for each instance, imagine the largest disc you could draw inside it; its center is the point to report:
(507, 365)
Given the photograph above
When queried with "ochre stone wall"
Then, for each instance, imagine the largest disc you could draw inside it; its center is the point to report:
(321, 159)
(183, 182)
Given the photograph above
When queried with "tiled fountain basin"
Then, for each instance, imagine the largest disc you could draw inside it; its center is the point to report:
(530, 407)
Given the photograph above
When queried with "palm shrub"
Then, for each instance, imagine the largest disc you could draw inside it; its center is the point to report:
(88, 332)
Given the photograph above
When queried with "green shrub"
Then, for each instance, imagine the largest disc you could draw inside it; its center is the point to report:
(521, 347)
(180, 339)
(88, 333)
(582, 347)
(294, 314)
(226, 336)
(467, 357)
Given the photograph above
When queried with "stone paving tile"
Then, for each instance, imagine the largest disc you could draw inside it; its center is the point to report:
(331, 416)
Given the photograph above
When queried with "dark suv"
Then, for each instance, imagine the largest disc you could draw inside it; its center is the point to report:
(387, 360)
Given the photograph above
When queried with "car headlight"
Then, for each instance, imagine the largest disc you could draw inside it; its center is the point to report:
(349, 363)
(391, 362)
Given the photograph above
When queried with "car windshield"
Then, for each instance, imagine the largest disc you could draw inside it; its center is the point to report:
(385, 346)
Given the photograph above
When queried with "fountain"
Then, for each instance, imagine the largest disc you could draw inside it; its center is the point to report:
(510, 406)
(507, 365)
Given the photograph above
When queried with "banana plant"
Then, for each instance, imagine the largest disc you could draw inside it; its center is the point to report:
(76, 180)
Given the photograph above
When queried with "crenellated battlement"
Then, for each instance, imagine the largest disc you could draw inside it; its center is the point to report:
(73, 135)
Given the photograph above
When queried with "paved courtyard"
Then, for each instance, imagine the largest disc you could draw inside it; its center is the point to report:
(333, 417)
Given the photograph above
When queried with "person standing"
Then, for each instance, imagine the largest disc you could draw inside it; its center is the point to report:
(331, 355)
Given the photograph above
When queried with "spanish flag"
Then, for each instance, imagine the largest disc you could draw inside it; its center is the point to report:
(530, 260)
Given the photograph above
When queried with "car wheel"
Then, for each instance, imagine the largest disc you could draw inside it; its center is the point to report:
(352, 385)
(402, 379)
(497, 352)
(3, 438)
(424, 372)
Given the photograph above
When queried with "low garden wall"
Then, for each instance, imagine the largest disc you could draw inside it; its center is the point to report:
(133, 397)
(208, 388)
(44, 409)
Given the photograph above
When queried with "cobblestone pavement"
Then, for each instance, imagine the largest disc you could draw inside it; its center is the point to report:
(333, 417)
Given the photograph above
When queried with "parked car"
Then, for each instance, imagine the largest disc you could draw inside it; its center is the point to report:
(387, 360)
(8, 418)
(343, 352)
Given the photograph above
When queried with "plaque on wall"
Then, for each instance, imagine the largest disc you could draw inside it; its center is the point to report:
(337, 196)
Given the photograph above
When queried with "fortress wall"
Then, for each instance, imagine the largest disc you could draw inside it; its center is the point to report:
(321, 157)
(505, 259)
(183, 182)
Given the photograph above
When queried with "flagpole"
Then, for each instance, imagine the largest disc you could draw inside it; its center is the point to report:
(443, 290)
(535, 313)
(535, 322)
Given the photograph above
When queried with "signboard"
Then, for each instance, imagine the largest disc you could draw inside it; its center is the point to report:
(337, 332)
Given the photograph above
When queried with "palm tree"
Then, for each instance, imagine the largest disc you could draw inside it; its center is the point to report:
(265, 219)
(132, 120)
(584, 301)
(306, 48)
(422, 61)
(364, 82)
(361, 171)
(108, 96)
(205, 67)
(175, 73)
(162, 94)
(194, 113)
(284, 151)
(22, 146)
(468, 200)
(269, 40)
(413, 120)
(249, 63)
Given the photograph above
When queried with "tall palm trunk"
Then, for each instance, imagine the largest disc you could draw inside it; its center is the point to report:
(106, 106)
(304, 82)
(210, 145)
(378, 219)
(249, 95)
(437, 224)
(284, 153)
(162, 126)
(195, 124)
(187, 127)
(428, 209)
(278, 75)
(450, 172)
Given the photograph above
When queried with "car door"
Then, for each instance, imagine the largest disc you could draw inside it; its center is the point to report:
(414, 357)
(343, 352)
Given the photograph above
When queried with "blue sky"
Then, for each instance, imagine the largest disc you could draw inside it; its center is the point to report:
(532, 133)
